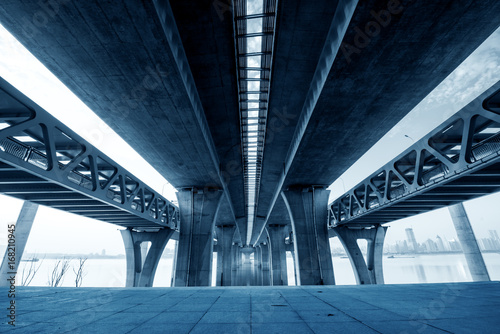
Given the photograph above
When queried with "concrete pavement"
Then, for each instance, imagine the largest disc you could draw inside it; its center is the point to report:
(423, 308)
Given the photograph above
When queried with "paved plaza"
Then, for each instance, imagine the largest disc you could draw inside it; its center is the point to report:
(423, 308)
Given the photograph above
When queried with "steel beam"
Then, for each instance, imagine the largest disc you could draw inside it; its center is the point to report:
(457, 161)
(43, 161)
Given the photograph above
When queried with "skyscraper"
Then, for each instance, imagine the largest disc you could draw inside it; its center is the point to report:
(440, 244)
(494, 239)
(411, 239)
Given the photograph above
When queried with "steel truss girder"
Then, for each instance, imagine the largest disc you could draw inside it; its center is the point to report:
(44, 161)
(457, 161)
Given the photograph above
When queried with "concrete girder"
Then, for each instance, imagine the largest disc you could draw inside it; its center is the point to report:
(338, 27)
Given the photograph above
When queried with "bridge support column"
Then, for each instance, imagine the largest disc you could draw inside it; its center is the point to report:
(198, 212)
(278, 254)
(290, 248)
(308, 209)
(141, 268)
(266, 272)
(21, 233)
(236, 266)
(471, 250)
(172, 279)
(218, 276)
(257, 258)
(224, 254)
(371, 271)
(246, 278)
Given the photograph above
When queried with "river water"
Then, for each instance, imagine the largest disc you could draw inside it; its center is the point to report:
(418, 269)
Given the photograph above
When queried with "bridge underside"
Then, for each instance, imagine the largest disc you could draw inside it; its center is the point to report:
(163, 75)
(376, 79)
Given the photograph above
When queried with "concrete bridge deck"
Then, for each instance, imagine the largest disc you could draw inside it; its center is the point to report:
(424, 308)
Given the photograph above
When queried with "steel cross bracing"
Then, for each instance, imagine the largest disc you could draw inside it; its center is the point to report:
(43, 161)
(254, 40)
(457, 161)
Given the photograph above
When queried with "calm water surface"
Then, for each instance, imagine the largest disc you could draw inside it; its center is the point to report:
(418, 269)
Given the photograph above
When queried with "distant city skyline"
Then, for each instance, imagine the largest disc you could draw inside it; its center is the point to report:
(411, 245)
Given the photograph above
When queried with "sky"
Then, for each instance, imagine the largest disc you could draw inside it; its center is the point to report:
(55, 231)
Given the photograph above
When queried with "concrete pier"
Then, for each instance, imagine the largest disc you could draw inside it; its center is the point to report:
(258, 266)
(278, 254)
(224, 257)
(198, 211)
(235, 264)
(308, 213)
(467, 239)
(265, 260)
(371, 270)
(141, 262)
(246, 267)
(21, 233)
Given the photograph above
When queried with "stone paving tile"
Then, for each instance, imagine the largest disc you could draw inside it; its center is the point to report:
(280, 328)
(468, 324)
(341, 328)
(310, 306)
(354, 306)
(177, 318)
(80, 318)
(151, 328)
(275, 317)
(5, 327)
(146, 308)
(127, 318)
(324, 316)
(111, 307)
(164, 301)
(45, 328)
(41, 316)
(225, 317)
(374, 315)
(202, 328)
(403, 327)
(104, 327)
(186, 306)
(230, 307)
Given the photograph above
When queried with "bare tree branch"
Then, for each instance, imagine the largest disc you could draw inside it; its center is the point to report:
(60, 269)
(30, 271)
(80, 273)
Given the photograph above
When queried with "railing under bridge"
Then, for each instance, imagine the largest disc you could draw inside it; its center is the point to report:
(43, 161)
(459, 160)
